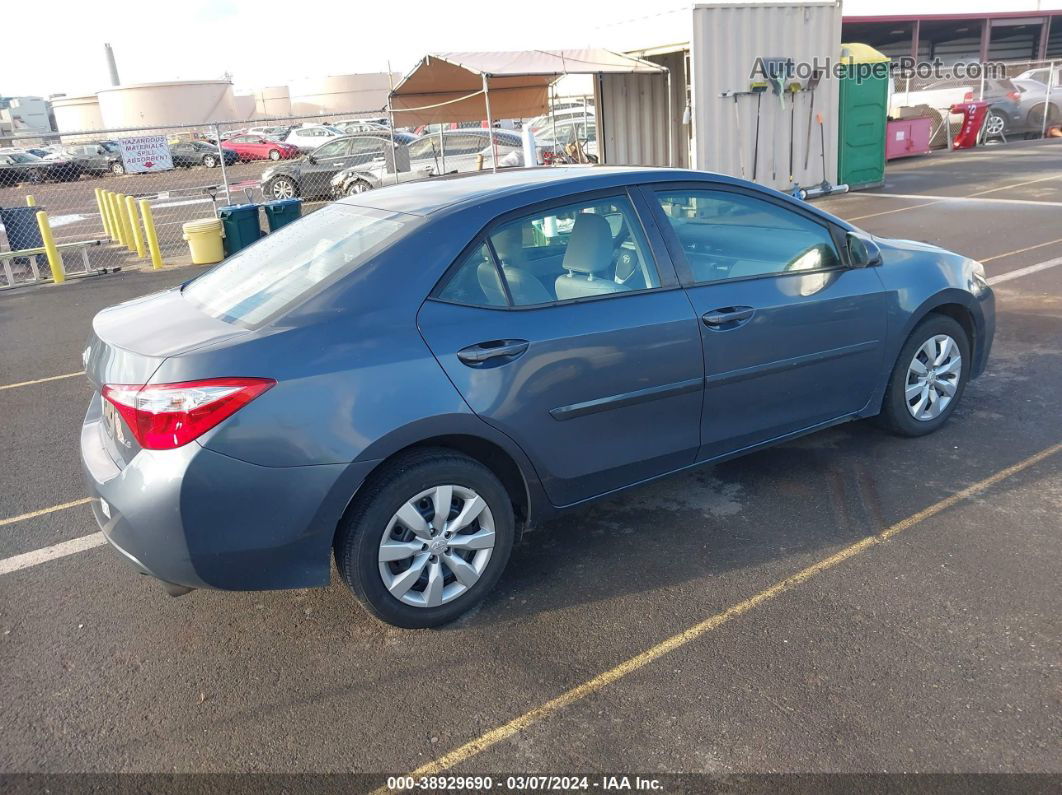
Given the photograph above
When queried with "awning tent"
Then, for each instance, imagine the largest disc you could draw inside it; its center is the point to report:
(464, 86)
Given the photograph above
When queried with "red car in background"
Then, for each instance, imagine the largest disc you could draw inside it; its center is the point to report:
(256, 147)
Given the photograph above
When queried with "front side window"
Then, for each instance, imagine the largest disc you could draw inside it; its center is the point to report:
(333, 149)
(287, 265)
(585, 250)
(732, 236)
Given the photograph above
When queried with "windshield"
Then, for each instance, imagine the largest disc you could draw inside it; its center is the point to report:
(23, 157)
(272, 275)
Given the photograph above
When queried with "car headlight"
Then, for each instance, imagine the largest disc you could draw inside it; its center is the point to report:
(978, 280)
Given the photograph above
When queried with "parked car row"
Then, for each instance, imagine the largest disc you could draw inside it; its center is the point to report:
(351, 164)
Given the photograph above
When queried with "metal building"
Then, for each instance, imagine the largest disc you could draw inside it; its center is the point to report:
(712, 48)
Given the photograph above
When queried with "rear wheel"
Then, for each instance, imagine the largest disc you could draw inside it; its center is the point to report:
(210, 161)
(274, 154)
(426, 539)
(117, 168)
(995, 124)
(928, 379)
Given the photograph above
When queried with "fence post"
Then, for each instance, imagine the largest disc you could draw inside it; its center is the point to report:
(221, 160)
(31, 201)
(134, 221)
(55, 260)
(1047, 98)
(152, 235)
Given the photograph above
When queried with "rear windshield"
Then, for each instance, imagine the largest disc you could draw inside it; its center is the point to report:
(278, 271)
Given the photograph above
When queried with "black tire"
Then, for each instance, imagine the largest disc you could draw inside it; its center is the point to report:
(895, 415)
(117, 168)
(358, 540)
(995, 120)
(274, 154)
(210, 161)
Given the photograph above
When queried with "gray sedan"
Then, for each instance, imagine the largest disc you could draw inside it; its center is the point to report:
(407, 379)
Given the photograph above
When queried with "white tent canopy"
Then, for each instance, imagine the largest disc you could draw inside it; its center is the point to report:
(471, 86)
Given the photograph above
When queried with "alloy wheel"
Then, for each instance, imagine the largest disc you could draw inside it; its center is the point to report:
(283, 189)
(933, 377)
(274, 154)
(358, 186)
(994, 125)
(436, 546)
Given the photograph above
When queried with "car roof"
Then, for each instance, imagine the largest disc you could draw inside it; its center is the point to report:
(425, 196)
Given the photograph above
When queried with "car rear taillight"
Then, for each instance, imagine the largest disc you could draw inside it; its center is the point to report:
(1014, 96)
(166, 416)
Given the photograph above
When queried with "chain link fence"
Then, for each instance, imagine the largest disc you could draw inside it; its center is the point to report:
(1025, 100)
(102, 218)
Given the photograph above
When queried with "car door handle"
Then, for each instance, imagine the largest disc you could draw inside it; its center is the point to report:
(483, 352)
(727, 316)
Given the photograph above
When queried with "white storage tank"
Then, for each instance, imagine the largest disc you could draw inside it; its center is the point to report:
(167, 104)
(353, 94)
(74, 114)
(272, 101)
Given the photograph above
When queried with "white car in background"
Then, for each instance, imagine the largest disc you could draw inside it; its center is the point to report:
(464, 150)
(311, 136)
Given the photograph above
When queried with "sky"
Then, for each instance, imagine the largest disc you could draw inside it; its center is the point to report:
(274, 42)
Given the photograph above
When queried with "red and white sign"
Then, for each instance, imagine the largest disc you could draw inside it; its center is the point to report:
(145, 153)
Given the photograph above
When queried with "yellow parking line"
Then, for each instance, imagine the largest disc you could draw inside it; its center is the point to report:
(41, 380)
(33, 514)
(1021, 250)
(516, 725)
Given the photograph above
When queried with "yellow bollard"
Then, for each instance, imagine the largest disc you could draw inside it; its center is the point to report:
(103, 212)
(116, 225)
(30, 200)
(127, 221)
(55, 260)
(152, 235)
(138, 239)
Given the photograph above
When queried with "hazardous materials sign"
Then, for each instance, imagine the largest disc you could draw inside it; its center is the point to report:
(145, 153)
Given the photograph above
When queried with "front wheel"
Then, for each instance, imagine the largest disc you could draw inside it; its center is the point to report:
(117, 169)
(928, 379)
(210, 161)
(281, 188)
(426, 539)
(274, 154)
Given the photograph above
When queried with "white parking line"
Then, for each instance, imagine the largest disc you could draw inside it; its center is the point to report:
(975, 198)
(38, 556)
(1040, 266)
(41, 380)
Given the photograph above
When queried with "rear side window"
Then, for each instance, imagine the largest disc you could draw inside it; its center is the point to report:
(591, 249)
(288, 265)
(732, 236)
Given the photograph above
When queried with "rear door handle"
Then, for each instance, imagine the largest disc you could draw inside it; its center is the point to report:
(727, 316)
(482, 352)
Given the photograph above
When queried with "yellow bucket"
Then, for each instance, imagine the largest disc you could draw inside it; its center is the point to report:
(204, 240)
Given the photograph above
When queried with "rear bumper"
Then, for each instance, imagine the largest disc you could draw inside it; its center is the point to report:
(200, 519)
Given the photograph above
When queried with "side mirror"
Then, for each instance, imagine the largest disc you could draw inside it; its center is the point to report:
(311, 159)
(862, 251)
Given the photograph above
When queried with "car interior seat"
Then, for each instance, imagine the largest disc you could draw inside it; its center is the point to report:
(588, 260)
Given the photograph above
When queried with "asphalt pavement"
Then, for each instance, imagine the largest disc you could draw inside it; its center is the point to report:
(733, 620)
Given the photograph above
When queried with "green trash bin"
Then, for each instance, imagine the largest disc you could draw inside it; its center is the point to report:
(864, 109)
(241, 225)
(282, 212)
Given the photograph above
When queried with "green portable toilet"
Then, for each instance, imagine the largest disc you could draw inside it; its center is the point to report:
(282, 212)
(864, 110)
(241, 224)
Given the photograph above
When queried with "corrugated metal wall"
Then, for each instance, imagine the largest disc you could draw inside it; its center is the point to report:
(633, 115)
(727, 39)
